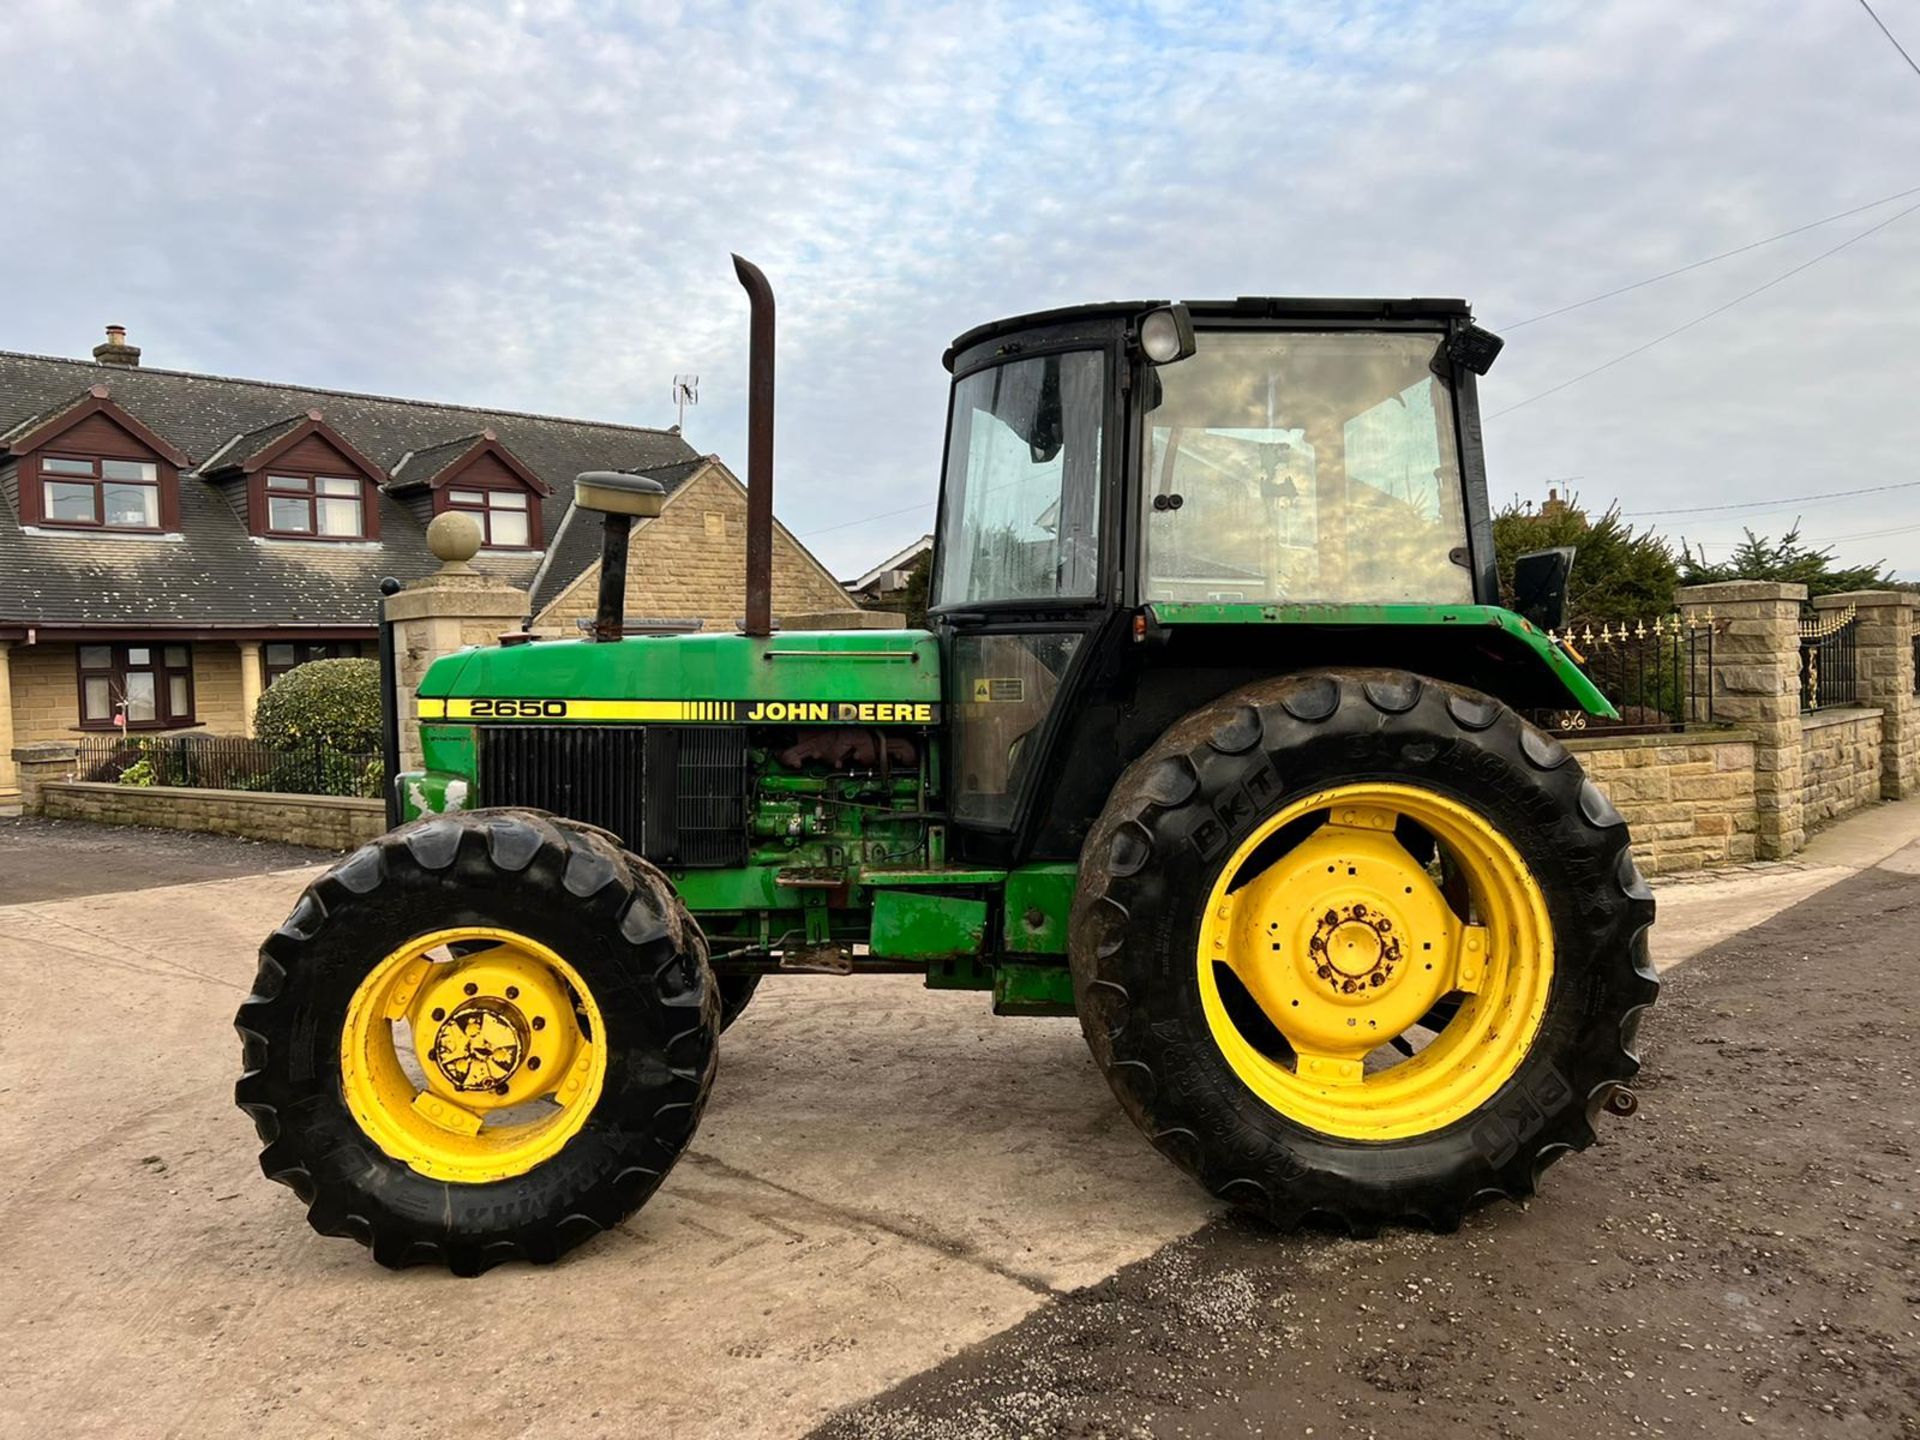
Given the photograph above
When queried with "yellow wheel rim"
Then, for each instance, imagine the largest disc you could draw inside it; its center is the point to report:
(472, 1054)
(1346, 942)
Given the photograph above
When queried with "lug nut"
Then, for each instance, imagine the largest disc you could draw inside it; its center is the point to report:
(438, 1013)
(471, 988)
(513, 992)
(534, 1063)
(539, 1022)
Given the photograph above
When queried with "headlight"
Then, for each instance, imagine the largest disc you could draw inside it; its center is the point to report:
(1166, 334)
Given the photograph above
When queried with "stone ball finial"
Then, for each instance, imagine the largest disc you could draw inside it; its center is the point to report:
(454, 538)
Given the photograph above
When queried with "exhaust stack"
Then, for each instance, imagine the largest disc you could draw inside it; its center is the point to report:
(759, 618)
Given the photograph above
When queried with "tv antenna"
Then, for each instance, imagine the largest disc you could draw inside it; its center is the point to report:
(686, 391)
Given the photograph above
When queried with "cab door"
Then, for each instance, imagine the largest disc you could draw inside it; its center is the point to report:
(1018, 585)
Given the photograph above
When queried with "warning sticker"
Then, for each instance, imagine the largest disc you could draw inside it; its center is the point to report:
(1008, 691)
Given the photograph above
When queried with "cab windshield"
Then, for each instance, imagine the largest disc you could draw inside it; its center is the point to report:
(1316, 467)
(1020, 518)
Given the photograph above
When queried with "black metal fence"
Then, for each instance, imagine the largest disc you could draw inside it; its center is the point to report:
(1829, 670)
(217, 762)
(1657, 672)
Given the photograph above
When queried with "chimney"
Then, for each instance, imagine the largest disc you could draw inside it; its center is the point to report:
(117, 351)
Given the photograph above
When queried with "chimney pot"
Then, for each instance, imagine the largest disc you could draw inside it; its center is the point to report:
(116, 351)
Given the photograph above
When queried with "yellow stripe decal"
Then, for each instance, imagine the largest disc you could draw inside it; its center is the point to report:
(725, 712)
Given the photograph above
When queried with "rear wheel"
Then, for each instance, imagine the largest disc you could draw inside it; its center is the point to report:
(1363, 946)
(479, 1038)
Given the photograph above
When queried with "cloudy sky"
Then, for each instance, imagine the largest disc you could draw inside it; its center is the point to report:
(531, 205)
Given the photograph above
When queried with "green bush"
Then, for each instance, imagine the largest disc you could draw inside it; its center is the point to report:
(1619, 573)
(333, 702)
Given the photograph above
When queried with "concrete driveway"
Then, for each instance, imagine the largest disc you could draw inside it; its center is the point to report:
(885, 1175)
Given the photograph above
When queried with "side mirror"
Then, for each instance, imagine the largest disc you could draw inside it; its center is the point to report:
(1540, 586)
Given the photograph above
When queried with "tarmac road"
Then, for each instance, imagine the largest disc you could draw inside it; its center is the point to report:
(891, 1184)
(1741, 1258)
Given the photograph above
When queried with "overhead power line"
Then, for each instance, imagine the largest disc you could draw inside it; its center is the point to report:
(1775, 504)
(867, 519)
(1890, 40)
(1710, 260)
(1701, 319)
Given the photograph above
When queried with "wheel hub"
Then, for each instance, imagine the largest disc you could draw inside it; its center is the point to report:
(1354, 949)
(493, 1030)
(480, 1045)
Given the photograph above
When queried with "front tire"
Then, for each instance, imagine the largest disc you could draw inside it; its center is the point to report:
(1327, 852)
(480, 1038)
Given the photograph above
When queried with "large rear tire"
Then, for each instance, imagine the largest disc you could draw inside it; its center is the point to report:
(1361, 946)
(480, 1038)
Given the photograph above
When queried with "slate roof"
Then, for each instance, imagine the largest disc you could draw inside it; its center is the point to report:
(421, 467)
(214, 572)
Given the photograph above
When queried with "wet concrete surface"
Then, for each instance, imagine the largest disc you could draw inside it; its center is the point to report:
(58, 859)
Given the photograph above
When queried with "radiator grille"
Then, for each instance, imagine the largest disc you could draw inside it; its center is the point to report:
(677, 794)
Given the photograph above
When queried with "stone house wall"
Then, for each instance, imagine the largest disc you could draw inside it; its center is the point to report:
(46, 692)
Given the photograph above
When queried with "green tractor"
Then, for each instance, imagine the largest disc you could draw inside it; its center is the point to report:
(1215, 740)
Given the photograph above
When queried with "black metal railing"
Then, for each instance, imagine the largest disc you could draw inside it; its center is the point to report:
(1829, 667)
(1658, 672)
(223, 762)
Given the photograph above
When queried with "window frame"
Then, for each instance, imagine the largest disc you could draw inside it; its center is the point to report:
(283, 485)
(119, 665)
(483, 513)
(1115, 438)
(98, 481)
(303, 652)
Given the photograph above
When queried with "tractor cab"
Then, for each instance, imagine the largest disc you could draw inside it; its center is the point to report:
(1143, 504)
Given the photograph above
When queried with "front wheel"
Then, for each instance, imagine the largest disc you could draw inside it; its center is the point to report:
(479, 1038)
(1363, 946)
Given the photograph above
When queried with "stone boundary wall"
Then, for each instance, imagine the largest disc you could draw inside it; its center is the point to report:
(326, 822)
(1840, 763)
(1687, 797)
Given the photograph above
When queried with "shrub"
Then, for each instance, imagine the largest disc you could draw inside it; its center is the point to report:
(1619, 573)
(335, 703)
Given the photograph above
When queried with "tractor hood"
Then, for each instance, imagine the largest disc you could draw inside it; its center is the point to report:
(828, 677)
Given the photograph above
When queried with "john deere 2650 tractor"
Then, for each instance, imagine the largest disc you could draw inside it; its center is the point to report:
(1214, 740)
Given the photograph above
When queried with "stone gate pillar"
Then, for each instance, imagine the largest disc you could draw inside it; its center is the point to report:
(1756, 685)
(455, 607)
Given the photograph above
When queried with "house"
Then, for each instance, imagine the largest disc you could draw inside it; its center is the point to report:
(171, 543)
(892, 575)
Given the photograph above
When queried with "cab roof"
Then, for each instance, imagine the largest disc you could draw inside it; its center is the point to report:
(1247, 307)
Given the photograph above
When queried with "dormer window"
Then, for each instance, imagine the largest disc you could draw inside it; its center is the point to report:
(87, 464)
(478, 476)
(330, 507)
(110, 494)
(297, 478)
(502, 515)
